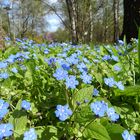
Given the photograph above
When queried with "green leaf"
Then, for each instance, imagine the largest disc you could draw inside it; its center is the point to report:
(84, 115)
(47, 133)
(128, 91)
(10, 50)
(84, 93)
(115, 131)
(18, 106)
(19, 120)
(98, 77)
(95, 130)
(28, 77)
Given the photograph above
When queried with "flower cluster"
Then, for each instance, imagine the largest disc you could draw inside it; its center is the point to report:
(108, 57)
(30, 135)
(14, 70)
(26, 105)
(117, 68)
(95, 92)
(3, 65)
(71, 82)
(3, 108)
(63, 112)
(6, 130)
(86, 78)
(4, 75)
(100, 108)
(127, 136)
(60, 74)
(111, 82)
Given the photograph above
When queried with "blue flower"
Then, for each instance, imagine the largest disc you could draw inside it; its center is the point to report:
(86, 101)
(11, 59)
(7, 38)
(96, 60)
(51, 60)
(30, 135)
(116, 47)
(60, 74)
(4, 75)
(121, 42)
(71, 82)
(19, 40)
(23, 67)
(120, 85)
(86, 78)
(3, 65)
(86, 60)
(46, 51)
(109, 81)
(62, 54)
(112, 115)
(82, 67)
(6, 130)
(63, 112)
(65, 66)
(14, 70)
(95, 92)
(127, 136)
(117, 68)
(115, 58)
(78, 52)
(26, 105)
(99, 108)
(3, 108)
(106, 57)
(72, 60)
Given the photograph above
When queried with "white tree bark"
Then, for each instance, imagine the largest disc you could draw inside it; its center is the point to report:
(91, 22)
(1, 33)
(72, 11)
(116, 19)
(74, 18)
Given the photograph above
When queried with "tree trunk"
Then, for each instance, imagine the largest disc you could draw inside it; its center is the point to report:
(1, 34)
(71, 6)
(131, 19)
(91, 22)
(116, 19)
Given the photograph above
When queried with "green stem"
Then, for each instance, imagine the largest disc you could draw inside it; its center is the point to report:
(88, 125)
(16, 133)
(67, 98)
(73, 112)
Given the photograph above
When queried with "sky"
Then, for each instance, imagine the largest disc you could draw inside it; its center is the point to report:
(53, 20)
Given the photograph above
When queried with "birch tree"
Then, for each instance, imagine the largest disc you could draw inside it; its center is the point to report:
(72, 12)
(116, 19)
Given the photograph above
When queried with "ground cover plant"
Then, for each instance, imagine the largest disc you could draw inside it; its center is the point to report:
(73, 92)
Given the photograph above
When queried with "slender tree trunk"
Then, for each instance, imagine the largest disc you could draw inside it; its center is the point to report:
(71, 6)
(116, 19)
(131, 19)
(91, 22)
(74, 22)
(105, 22)
(1, 34)
(9, 24)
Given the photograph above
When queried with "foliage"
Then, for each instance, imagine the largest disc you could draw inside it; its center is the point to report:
(61, 91)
